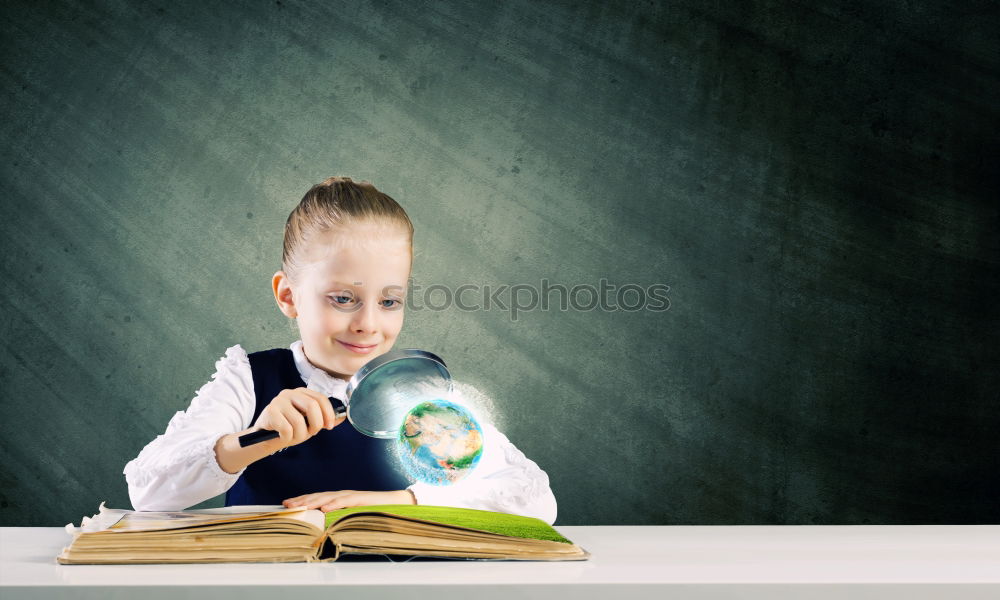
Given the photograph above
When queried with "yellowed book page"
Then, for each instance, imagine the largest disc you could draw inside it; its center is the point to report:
(397, 541)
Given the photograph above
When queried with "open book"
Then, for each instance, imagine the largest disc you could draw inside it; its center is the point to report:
(276, 534)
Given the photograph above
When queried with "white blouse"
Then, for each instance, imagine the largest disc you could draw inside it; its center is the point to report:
(178, 469)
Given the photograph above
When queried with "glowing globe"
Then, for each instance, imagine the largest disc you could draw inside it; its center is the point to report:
(439, 442)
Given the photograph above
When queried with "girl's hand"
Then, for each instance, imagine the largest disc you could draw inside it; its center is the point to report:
(297, 415)
(327, 501)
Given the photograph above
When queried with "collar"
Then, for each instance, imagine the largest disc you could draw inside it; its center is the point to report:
(316, 378)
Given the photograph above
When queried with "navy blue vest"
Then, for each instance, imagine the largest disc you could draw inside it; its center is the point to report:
(338, 459)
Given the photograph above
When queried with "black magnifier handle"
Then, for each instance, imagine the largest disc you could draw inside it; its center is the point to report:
(262, 435)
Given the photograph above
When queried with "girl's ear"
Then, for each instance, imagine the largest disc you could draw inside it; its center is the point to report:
(283, 294)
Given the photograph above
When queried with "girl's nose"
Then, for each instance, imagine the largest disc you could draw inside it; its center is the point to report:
(364, 319)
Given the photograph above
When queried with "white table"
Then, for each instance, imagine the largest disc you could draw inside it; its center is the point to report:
(857, 562)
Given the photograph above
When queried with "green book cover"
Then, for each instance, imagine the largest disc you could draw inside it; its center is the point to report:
(480, 520)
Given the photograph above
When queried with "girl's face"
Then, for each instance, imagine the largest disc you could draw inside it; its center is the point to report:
(348, 296)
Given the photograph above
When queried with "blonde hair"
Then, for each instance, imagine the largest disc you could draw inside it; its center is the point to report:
(335, 203)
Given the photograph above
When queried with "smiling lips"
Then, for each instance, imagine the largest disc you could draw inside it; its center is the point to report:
(358, 349)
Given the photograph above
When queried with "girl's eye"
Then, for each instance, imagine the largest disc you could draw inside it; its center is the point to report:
(390, 303)
(341, 299)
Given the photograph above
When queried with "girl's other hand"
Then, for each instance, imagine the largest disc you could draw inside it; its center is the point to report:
(297, 415)
(327, 501)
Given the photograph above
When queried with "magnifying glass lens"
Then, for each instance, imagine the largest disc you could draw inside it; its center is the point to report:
(383, 391)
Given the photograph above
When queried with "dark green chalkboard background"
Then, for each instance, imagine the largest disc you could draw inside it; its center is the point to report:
(816, 183)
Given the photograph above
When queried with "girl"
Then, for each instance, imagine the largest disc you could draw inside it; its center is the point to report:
(345, 265)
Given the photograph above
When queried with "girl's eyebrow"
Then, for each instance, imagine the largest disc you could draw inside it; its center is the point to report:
(340, 284)
(399, 290)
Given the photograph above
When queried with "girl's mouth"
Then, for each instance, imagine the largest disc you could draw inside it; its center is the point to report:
(358, 349)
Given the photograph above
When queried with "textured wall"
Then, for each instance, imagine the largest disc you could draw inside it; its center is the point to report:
(816, 182)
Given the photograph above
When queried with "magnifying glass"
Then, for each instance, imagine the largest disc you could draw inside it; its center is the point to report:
(383, 391)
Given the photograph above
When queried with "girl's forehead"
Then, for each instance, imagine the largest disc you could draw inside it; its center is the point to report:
(358, 260)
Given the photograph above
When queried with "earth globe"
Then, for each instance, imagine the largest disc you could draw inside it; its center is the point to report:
(439, 442)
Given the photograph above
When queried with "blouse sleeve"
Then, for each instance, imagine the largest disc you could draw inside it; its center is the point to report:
(178, 469)
(505, 480)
